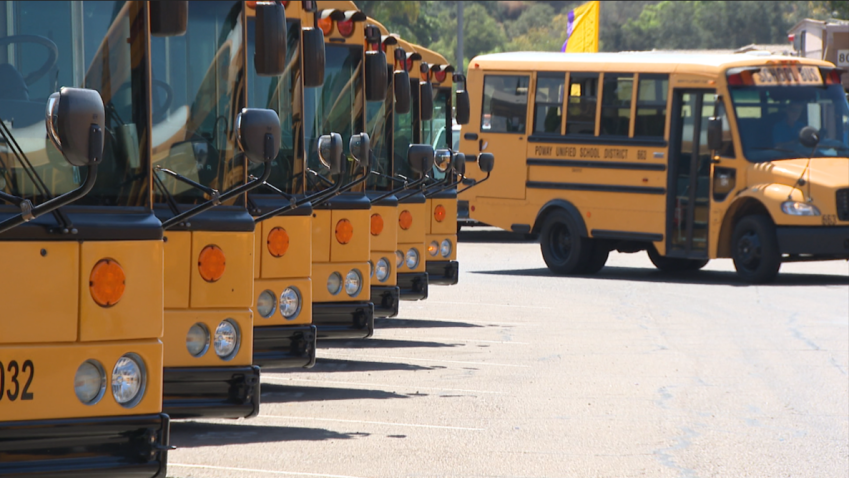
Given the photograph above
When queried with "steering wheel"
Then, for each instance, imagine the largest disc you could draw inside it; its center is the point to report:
(158, 111)
(52, 53)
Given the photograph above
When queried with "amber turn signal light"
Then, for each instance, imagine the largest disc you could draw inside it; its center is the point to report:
(439, 213)
(326, 25)
(376, 224)
(405, 220)
(344, 231)
(211, 263)
(278, 242)
(106, 282)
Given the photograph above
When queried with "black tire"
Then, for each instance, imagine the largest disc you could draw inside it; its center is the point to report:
(672, 264)
(564, 250)
(597, 258)
(754, 248)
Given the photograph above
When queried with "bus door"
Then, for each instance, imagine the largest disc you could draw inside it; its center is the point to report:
(503, 131)
(688, 200)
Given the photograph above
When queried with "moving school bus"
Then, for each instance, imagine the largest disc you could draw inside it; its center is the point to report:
(200, 178)
(80, 348)
(690, 157)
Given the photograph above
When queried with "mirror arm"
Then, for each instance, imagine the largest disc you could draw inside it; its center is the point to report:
(29, 212)
(169, 198)
(321, 178)
(322, 197)
(219, 198)
(475, 184)
(316, 199)
(405, 187)
(415, 184)
(440, 185)
(452, 184)
(180, 177)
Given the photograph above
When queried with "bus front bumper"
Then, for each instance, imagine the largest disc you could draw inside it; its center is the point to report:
(443, 272)
(211, 392)
(130, 446)
(343, 320)
(286, 346)
(413, 285)
(813, 243)
(386, 300)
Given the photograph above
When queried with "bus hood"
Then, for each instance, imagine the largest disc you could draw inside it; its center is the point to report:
(828, 173)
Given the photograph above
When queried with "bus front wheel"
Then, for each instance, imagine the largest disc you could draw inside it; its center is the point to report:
(754, 248)
(672, 264)
(563, 249)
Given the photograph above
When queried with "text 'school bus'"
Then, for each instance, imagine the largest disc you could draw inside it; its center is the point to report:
(284, 335)
(204, 148)
(81, 320)
(691, 157)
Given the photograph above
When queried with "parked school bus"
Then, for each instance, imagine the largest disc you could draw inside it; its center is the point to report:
(690, 157)
(204, 147)
(81, 349)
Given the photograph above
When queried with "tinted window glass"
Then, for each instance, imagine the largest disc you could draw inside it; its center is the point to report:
(652, 92)
(616, 104)
(583, 97)
(505, 104)
(548, 104)
(379, 127)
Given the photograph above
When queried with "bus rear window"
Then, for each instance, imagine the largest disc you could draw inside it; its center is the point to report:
(583, 96)
(505, 104)
(650, 119)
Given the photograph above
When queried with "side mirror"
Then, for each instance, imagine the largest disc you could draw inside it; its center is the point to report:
(426, 100)
(442, 160)
(486, 161)
(75, 123)
(270, 38)
(313, 48)
(169, 18)
(459, 163)
(330, 152)
(376, 76)
(809, 137)
(258, 134)
(714, 133)
(420, 158)
(360, 147)
(463, 108)
(402, 92)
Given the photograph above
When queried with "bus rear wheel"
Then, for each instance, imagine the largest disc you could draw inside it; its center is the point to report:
(754, 248)
(597, 257)
(672, 264)
(563, 249)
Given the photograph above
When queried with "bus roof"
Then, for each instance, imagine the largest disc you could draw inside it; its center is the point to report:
(649, 62)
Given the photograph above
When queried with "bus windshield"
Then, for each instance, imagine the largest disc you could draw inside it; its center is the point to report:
(379, 129)
(196, 79)
(336, 106)
(48, 45)
(403, 139)
(770, 118)
(283, 95)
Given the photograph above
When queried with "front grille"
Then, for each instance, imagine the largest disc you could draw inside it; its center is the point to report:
(843, 204)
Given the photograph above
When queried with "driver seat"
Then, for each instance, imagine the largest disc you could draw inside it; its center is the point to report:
(14, 86)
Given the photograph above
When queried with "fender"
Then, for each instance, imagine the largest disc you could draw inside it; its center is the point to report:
(559, 204)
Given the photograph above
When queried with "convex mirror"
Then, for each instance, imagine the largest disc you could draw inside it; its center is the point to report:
(258, 134)
(75, 122)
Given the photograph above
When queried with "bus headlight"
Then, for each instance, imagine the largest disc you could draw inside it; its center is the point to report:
(353, 283)
(445, 250)
(197, 340)
(370, 268)
(433, 248)
(226, 339)
(90, 382)
(399, 259)
(128, 379)
(334, 283)
(266, 303)
(412, 258)
(290, 303)
(381, 270)
(796, 208)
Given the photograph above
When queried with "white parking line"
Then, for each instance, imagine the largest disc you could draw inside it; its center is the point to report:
(455, 339)
(253, 470)
(496, 305)
(329, 354)
(266, 378)
(365, 422)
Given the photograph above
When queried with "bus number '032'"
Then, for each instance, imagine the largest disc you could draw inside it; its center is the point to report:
(15, 375)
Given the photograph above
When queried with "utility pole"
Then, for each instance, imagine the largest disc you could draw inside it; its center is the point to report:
(460, 37)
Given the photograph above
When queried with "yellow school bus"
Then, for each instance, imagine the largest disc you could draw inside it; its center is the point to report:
(200, 176)
(80, 348)
(690, 157)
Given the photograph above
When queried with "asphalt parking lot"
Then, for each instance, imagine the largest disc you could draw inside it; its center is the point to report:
(518, 373)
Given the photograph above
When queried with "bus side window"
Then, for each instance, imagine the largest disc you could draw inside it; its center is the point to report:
(651, 106)
(616, 104)
(548, 104)
(583, 95)
(505, 104)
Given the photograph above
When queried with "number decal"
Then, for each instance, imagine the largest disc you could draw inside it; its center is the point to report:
(14, 379)
(28, 365)
(2, 381)
(829, 220)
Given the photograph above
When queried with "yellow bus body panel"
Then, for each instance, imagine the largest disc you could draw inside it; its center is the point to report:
(320, 273)
(52, 379)
(388, 238)
(40, 292)
(357, 249)
(235, 288)
(297, 261)
(178, 322)
(449, 224)
(178, 253)
(392, 278)
(418, 228)
(137, 313)
(276, 286)
(321, 235)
